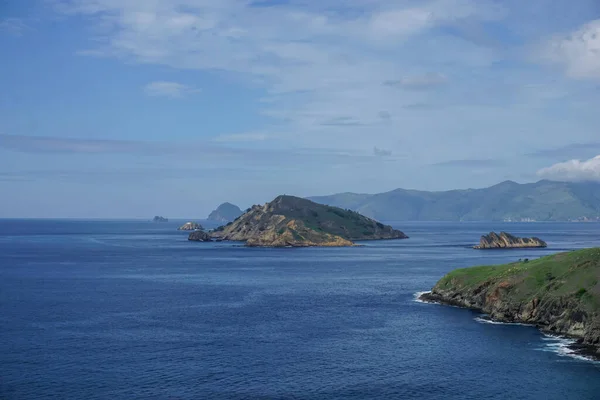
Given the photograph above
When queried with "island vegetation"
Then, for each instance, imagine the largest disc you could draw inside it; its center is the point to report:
(559, 293)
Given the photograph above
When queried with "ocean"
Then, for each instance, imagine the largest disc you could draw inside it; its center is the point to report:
(132, 310)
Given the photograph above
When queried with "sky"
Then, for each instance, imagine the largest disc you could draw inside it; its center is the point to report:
(136, 108)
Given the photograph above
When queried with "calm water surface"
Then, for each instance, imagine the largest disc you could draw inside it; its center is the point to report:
(111, 310)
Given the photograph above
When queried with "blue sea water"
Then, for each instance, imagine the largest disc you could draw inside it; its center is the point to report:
(132, 310)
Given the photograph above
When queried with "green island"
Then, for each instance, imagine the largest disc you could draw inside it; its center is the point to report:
(559, 293)
(290, 221)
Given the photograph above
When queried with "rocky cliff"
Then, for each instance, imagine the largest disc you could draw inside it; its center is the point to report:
(559, 293)
(190, 226)
(507, 241)
(296, 222)
(226, 212)
(199, 236)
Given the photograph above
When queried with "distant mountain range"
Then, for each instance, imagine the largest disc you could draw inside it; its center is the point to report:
(507, 201)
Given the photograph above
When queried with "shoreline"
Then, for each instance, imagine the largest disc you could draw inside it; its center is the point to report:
(584, 351)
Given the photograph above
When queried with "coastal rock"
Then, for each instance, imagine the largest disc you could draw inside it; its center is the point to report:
(226, 212)
(290, 221)
(190, 226)
(507, 241)
(199, 236)
(160, 219)
(558, 293)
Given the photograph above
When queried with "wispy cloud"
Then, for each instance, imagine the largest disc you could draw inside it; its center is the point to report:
(309, 58)
(381, 152)
(470, 163)
(41, 144)
(168, 89)
(13, 26)
(418, 82)
(570, 150)
(578, 52)
(242, 137)
(573, 170)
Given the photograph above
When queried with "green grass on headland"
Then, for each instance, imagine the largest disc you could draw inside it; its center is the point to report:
(572, 274)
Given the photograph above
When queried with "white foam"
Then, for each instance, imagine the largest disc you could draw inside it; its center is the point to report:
(562, 346)
(484, 320)
(417, 297)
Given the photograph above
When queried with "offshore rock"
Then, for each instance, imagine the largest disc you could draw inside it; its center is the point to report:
(507, 241)
(199, 236)
(190, 226)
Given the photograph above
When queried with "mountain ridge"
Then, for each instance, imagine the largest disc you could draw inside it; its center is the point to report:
(506, 201)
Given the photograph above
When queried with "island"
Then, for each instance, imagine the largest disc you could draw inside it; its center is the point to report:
(160, 219)
(507, 241)
(558, 293)
(226, 212)
(190, 226)
(290, 221)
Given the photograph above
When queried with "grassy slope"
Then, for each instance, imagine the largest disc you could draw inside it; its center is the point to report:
(574, 275)
(333, 220)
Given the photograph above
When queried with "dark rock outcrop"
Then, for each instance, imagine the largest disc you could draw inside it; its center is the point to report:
(160, 219)
(290, 221)
(199, 236)
(190, 226)
(507, 241)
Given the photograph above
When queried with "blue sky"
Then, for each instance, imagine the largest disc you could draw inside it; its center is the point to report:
(132, 108)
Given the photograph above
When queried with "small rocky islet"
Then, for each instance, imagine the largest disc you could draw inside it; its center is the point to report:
(290, 221)
(190, 226)
(559, 293)
(507, 241)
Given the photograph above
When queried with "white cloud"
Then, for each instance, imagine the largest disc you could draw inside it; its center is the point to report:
(13, 26)
(573, 170)
(242, 137)
(168, 89)
(578, 52)
(321, 65)
(424, 81)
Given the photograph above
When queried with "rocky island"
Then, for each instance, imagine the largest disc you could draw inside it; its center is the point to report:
(199, 236)
(190, 226)
(226, 212)
(558, 293)
(160, 219)
(290, 221)
(507, 241)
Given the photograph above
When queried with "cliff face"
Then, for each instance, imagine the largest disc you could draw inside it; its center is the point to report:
(226, 212)
(507, 241)
(559, 293)
(296, 222)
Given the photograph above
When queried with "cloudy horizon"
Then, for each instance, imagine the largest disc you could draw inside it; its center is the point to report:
(127, 109)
